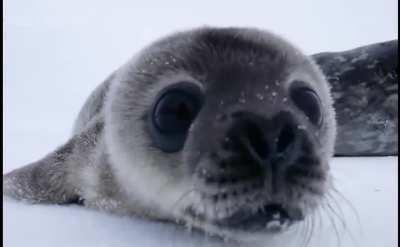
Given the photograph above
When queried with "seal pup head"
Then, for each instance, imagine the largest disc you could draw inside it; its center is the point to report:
(228, 130)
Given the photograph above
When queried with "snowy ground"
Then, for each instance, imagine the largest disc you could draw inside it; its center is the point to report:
(56, 52)
(370, 184)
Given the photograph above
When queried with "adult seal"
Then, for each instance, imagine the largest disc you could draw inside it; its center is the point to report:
(228, 130)
(364, 87)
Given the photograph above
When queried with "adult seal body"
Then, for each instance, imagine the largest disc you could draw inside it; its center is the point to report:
(364, 87)
(228, 130)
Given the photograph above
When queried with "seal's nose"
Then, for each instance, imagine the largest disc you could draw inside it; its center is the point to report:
(263, 140)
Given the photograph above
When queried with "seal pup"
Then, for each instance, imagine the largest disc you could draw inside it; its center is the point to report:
(227, 130)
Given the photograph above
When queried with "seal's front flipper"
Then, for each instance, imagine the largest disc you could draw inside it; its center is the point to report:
(44, 181)
(53, 178)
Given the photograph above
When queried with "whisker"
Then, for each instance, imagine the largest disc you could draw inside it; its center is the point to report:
(180, 199)
(312, 228)
(337, 215)
(349, 204)
(320, 224)
(309, 232)
(297, 228)
(340, 216)
(305, 232)
(333, 224)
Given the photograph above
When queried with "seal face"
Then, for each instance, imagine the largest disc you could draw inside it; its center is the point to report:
(228, 130)
(236, 129)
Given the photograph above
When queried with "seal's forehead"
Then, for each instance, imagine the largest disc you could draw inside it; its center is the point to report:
(209, 47)
(220, 57)
(251, 42)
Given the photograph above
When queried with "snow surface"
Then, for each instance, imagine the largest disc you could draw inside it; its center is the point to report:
(370, 184)
(56, 52)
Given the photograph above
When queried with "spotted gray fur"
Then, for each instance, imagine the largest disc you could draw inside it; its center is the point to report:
(364, 85)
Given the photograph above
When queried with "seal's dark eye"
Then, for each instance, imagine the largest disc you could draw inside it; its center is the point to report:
(172, 114)
(175, 111)
(307, 101)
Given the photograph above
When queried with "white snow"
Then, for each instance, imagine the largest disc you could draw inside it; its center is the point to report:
(372, 224)
(56, 52)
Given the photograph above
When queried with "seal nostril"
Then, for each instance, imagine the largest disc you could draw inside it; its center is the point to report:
(286, 137)
(257, 140)
(223, 165)
(210, 180)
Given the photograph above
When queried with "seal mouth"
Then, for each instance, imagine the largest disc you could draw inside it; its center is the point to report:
(270, 217)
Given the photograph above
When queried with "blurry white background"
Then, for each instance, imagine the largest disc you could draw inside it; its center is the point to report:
(56, 52)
